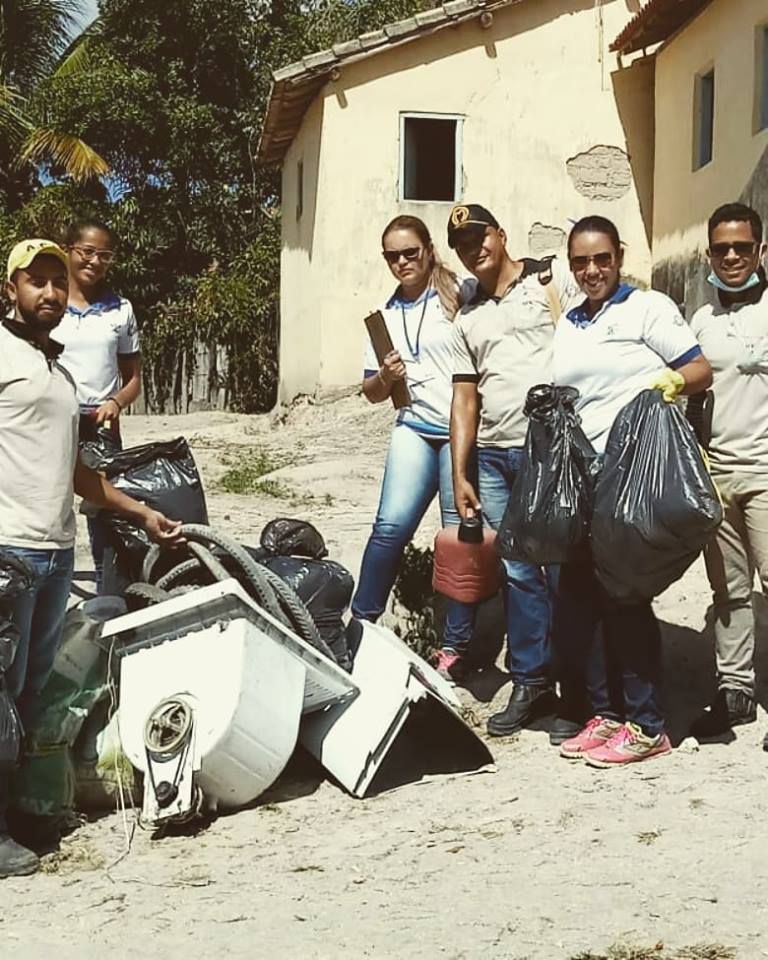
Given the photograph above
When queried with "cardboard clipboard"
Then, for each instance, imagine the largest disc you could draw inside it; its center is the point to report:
(382, 345)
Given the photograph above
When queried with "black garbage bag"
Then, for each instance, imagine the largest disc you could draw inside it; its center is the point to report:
(549, 508)
(656, 506)
(164, 476)
(325, 589)
(16, 576)
(10, 731)
(284, 537)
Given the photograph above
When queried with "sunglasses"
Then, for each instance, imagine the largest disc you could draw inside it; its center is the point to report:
(742, 248)
(601, 260)
(91, 253)
(393, 256)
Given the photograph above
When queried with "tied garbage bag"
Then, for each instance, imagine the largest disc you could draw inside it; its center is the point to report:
(16, 576)
(284, 537)
(549, 509)
(656, 506)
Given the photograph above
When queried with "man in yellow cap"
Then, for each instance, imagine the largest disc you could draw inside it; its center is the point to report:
(40, 473)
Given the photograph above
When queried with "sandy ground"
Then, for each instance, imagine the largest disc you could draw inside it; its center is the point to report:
(544, 859)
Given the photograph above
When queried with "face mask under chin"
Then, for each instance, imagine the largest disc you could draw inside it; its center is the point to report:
(753, 281)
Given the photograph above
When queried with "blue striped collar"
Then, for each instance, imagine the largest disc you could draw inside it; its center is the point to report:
(579, 316)
(110, 302)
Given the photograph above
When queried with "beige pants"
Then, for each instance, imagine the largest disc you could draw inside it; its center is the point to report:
(739, 548)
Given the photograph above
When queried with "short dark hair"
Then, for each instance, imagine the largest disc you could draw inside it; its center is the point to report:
(736, 213)
(595, 224)
(75, 229)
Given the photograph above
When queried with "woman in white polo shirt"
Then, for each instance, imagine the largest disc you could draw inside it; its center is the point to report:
(101, 345)
(617, 343)
(419, 317)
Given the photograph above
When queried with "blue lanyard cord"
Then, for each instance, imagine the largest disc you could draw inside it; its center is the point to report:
(415, 353)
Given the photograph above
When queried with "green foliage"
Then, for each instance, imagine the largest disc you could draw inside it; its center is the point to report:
(172, 97)
(413, 591)
(243, 473)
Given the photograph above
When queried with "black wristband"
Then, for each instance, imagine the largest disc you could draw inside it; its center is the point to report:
(115, 400)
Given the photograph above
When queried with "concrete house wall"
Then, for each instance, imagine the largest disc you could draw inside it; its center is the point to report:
(725, 35)
(551, 131)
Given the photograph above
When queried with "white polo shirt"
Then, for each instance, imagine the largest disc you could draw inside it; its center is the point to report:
(618, 353)
(38, 446)
(422, 335)
(93, 339)
(735, 341)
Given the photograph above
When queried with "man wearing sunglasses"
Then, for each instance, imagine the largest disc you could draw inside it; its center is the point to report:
(733, 332)
(502, 347)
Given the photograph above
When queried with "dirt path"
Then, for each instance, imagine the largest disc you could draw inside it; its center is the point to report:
(543, 859)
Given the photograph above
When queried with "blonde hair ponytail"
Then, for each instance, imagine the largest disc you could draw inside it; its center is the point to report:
(443, 279)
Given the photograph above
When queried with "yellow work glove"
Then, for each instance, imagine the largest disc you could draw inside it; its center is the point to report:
(671, 383)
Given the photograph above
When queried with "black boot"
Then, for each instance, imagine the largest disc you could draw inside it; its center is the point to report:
(15, 860)
(528, 702)
(730, 708)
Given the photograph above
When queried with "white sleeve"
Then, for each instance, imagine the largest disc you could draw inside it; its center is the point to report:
(665, 330)
(370, 363)
(128, 338)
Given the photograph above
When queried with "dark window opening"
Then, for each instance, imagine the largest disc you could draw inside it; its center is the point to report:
(705, 119)
(429, 158)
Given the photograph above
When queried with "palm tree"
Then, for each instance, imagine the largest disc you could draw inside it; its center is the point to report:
(36, 44)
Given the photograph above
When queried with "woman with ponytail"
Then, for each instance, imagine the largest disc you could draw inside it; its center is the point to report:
(419, 317)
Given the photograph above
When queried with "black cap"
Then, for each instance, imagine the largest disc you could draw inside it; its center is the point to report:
(469, 218)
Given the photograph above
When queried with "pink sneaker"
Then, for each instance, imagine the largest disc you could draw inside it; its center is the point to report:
(450, 664)
(597, 731)
(628, 745)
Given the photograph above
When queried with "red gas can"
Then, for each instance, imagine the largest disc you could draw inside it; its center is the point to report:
(467, 565)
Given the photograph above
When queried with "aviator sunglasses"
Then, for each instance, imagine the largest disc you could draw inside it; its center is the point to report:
(393, 256)
(742, 248)
(601, 260)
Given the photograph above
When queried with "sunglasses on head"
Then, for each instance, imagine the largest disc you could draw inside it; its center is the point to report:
(600, 260)
(742, 248)
(393, 256)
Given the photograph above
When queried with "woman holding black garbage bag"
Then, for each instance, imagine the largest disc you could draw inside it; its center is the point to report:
(617, 343)
(101, 348)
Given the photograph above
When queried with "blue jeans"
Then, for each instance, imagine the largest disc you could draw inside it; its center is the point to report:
(529, 590)
(622, 673)
(416, 469)
(39, 616)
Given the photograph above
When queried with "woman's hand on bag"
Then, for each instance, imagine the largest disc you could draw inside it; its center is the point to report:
(467, 503)
(392, 369)
(109, 410)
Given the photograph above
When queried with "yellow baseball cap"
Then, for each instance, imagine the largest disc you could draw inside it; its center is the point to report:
(25, 252)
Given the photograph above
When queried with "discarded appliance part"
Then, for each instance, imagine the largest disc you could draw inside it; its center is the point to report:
(404, 724)
(244, 679)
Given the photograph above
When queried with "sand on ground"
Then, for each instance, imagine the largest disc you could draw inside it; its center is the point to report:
(544, 859)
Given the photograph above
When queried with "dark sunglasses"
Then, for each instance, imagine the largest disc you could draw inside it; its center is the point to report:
(393, 256)
(601, 260)
(742, 248)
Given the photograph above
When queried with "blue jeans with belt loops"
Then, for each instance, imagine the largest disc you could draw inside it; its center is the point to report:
(416, 469)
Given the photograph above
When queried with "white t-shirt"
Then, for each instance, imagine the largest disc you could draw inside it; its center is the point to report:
(421, 333)
(38, 447)
(618, 353)
(93, 339)
(735, 341)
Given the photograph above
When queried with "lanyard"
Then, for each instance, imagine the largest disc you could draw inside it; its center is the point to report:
(415, 353)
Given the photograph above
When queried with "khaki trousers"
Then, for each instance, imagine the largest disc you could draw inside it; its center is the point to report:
(739, 549)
